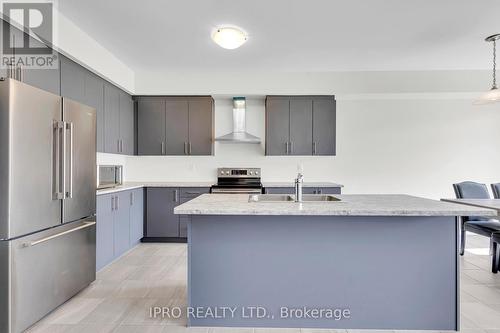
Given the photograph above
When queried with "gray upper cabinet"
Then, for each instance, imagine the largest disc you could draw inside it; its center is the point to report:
(175, 126)
(111, 119)
(151, 126)
(201, 126)
(94, 97)
(126, 124)
(300, 125)
(324, 126)
(277, 125)
(72, 80)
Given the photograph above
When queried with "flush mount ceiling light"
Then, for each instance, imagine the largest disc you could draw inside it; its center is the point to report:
(229, 37)
(493, 95)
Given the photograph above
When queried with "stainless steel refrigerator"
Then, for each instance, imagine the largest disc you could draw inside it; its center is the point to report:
(47, 202)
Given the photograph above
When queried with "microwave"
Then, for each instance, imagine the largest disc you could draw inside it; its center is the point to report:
(109, 176)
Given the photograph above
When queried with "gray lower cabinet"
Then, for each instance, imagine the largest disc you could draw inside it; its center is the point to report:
(300, 125)
(161, 222)
(175, 125)
(120, 221)
(136, 215)
(160, 218)
(305, 190)
(104, 230)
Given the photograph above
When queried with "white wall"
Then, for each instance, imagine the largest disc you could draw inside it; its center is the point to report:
(417, 144)
(73, 42)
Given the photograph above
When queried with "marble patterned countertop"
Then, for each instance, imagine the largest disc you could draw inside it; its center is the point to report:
(133, 185)
(355, 205)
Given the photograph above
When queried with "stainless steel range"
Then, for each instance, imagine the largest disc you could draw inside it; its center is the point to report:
(238, 180)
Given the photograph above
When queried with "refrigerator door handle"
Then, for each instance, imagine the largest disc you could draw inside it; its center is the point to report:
(63, 158)
(45, 239)
(58, 189)
(69, 192)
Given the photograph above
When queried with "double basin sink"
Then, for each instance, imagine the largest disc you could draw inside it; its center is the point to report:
(291, 198)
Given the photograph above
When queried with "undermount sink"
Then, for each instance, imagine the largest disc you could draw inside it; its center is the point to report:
(270, 198)
(291, 198)
(318, 197)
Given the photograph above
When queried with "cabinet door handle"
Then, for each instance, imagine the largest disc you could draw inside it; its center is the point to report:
(131, 198)
(185, 148)
(112, 203)
(286, 148)
(291, 147)
(189, 145)
(314, 148)
(176, 195)
(162, 147)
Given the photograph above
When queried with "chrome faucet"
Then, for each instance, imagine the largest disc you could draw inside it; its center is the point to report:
(298, 187)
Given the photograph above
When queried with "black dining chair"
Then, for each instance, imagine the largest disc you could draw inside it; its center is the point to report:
(477, 224)
(496, 190)
(495, 241)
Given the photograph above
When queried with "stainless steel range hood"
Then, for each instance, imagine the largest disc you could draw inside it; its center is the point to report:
(239, 133)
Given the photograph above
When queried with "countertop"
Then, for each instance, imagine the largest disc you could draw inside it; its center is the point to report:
(482, 203)
(305, 184)
(133, 185)
(356, 205)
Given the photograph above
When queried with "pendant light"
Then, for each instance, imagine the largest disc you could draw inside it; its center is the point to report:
(493, 95)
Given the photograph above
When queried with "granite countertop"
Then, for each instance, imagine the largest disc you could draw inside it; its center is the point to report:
(133, 185)
(483, 203)
(305, 184)
(356, 205)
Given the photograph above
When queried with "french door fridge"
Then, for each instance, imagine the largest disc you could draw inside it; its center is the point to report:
(47, 202)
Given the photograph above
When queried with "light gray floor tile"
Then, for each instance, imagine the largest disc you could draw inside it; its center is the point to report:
(111, 311)
(482, 315)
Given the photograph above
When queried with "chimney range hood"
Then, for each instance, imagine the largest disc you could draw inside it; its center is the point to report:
(239, 133)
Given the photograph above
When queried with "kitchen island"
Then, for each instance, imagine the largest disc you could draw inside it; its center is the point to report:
(364, 262)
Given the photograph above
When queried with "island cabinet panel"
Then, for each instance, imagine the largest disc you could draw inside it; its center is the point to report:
(151, 126)
(120, 223)
(136, 216)
(161, 220)
(175, 125)
(300, 125)
(104, 230)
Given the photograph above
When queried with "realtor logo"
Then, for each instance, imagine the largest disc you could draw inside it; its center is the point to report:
(35, 18)
(27, 36)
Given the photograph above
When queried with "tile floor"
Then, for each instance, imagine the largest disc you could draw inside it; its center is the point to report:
(155, 275)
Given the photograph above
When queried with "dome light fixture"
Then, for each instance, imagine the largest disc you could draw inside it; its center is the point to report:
(493, 95)
(229, 37)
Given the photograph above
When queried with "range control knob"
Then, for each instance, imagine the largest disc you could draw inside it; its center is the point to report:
(256, 173)
(227, 172)
(251, 173)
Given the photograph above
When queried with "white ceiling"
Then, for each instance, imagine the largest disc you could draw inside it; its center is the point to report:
(293, 35)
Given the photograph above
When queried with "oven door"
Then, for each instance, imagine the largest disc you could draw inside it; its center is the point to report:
(236, 190)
